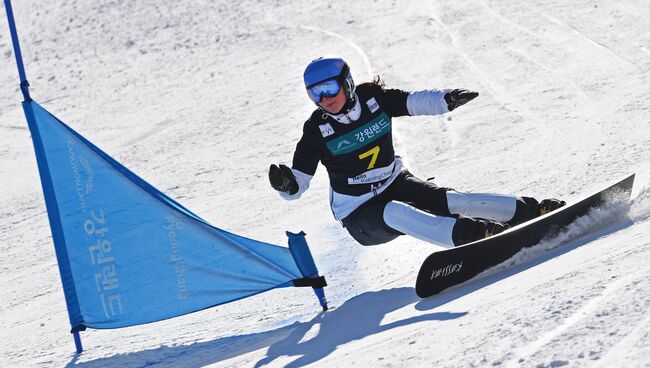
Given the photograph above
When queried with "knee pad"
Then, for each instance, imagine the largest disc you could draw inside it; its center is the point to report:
(419, 224)
(495, 207)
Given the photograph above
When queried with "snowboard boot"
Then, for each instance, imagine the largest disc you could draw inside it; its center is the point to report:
(467, 230)
(549, 205)
(529, 208)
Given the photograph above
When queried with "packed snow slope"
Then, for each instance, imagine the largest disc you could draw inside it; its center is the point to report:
(199, 97)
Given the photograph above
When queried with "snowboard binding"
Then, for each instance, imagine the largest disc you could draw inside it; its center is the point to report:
(529, 208)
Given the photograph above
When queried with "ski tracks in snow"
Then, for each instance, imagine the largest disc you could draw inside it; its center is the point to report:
(589, 40)
(521, 52)
(498, 90)
(601, 320)
(608, 326)
(618, 354)
(352, 44)
(587, 310)
(364, 56)
(580, 97)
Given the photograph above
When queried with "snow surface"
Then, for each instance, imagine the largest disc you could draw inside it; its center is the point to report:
(200, 97)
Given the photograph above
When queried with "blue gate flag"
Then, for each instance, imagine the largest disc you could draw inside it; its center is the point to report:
(127, 253)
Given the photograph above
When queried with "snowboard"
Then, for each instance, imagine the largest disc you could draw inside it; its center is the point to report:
(454, 266)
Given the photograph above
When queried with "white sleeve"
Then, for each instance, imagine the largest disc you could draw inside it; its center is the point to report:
(303, 184)
(427, 102)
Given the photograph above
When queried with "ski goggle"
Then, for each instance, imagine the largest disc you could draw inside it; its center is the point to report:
(327, 88)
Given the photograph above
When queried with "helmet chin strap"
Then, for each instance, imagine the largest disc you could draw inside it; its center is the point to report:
(350, 112)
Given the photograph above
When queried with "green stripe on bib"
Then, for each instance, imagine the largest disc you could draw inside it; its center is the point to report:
(360, 137)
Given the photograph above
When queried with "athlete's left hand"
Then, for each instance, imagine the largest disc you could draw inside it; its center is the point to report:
(459, 97)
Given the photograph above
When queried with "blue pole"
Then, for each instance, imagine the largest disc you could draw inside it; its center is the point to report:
(77, 342)
(24, 87)
(305, 262)
(320, 294)
(24, 84)
(55, 225)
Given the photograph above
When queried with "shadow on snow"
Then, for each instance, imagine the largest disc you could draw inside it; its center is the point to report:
(357, 318)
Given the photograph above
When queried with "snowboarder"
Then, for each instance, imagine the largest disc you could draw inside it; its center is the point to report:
(371, 193)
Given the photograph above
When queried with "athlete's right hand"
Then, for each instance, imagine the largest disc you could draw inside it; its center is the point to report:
(282, 179)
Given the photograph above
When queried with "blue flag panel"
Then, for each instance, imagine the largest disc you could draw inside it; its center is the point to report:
(128, 254)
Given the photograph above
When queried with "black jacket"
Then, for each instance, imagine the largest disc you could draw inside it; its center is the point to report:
(359, 155)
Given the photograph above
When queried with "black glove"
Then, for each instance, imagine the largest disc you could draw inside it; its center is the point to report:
(458, 97)
(282, 179)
